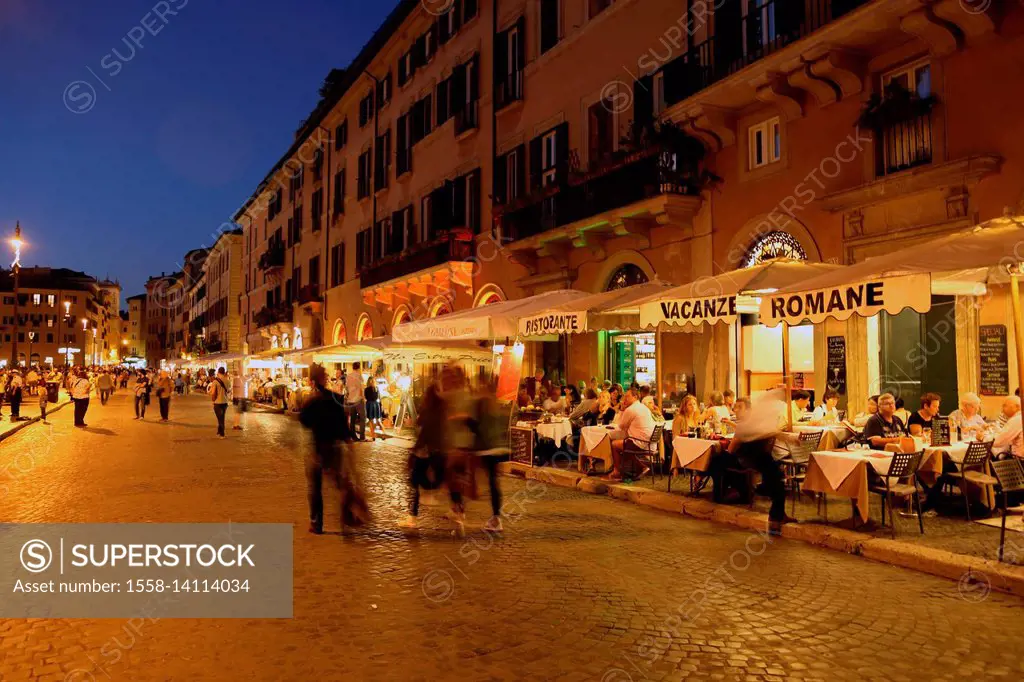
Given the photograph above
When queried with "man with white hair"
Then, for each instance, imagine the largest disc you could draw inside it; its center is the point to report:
(967, 420)
(1009, 440)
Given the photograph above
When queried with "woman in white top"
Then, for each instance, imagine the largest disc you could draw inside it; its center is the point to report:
(968, 418)
(717, 411)
(826, 413)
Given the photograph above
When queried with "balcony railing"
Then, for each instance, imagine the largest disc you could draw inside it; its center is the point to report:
(750, 37)
(906, 144)
(509, 89)
(456, 245)
(272, 258)
(627, 180)
(467, 118)
(309, 294)
(269, 315)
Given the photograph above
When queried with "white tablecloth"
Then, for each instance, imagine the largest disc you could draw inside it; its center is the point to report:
(687, 450)
(592, 436)
(837, 465)
(832, 435)
(956, 451)
(556, 431)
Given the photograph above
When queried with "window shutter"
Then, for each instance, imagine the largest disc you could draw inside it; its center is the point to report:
(459, 202)
(457, 89)
(474, 82)
(469, 9)
(562, 151)
(500, 57)
(473, 186)
(548, 24)
(442, 29)
(521, 25)
(403, 72)
(456, 11)
(643, 104)
(501, 180)
(535, 162)
(521, 168)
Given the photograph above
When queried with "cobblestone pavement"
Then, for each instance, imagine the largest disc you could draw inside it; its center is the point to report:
(579, 587)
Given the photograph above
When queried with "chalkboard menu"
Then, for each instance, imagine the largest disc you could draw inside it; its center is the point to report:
(940, 431)
(521, 445)
(836, 370)
(994, 378)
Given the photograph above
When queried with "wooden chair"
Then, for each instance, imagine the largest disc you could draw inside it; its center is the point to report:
(974, 469)
(1010, 474)
(901, 481)
(647, 453)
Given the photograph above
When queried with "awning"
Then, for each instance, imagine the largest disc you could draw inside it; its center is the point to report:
(963, 263)
(617, 309)
(391, 351)
(495, 321)
(720, 299)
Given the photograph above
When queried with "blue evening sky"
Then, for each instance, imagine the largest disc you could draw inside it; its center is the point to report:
(175, 134)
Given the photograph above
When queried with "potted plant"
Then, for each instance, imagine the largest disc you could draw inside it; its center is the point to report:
(895, 105)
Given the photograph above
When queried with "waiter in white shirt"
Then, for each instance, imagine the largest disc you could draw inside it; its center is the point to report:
(81, 387)
(752, 446)
(637, 424)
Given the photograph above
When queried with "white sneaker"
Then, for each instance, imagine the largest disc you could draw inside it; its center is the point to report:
(408, 522)
(493, 525)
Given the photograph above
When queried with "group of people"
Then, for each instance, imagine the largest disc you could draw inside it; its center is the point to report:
(459, 430)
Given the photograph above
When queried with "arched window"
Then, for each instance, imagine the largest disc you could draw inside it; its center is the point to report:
(339, 335)
(488, 295)
(626, 276)
(364, 328)
(775, 244)
(440, 307)
(402, 315)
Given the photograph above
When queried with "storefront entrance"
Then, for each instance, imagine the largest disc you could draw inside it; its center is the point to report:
(632, 358)
(917, 353)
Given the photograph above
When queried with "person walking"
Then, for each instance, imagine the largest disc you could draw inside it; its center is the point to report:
(81, 387)
(219, 395)
(105, 386)
(323, 415)
(239, 398)
(164, 388)
(488, 429)
(141, 394)
(373, 411)
(430, 451)
(44, 398)
(355, 405)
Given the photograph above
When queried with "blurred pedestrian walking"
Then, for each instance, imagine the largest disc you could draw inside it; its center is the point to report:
(141, 394)
(324, 416)
(15, 393)
(239, 398)
(164, 388)
(81, 387)
(105, 386)
(355, 402)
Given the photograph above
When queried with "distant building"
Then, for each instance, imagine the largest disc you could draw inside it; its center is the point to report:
(136, 330)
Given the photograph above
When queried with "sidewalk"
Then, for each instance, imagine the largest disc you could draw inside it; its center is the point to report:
(951, 547)
(29, 414)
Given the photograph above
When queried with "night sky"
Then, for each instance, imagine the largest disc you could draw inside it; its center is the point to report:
(118, 163)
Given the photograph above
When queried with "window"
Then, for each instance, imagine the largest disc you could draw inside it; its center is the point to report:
(429, 44)
(314, 271)
(448, 24)
(364, 248)
(276, 203)
(382, 161)
(316, 209)
(380, 228)
(295, 181)
(397, 238)
(426, 218)
(549, 158)
(600, 133)
(366, 109)
(515, 167)
(337, 264)
(341, 135)
(907, 138)
(384, 91)
(339, 192)
(51, 300)
(406, 67)
(296, 223)
(764, 143)
(421, 118)
(549, 24)
(444, 101)
(509, 62)
(658, 94)
(470, 8)
(403, 155)
(37, 299)
(363, 178)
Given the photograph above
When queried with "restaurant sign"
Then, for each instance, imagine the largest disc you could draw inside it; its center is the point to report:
(891, 294)
(553, 323)
(690, 311)
(439, 329)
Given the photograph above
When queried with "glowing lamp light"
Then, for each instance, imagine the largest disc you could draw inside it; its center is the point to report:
(498, 348)
(518, 349)
(16, 244)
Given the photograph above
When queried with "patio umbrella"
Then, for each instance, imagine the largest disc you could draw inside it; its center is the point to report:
(963, 263)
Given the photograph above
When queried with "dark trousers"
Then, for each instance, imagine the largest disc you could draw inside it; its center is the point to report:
(81, 407)
(220, 409)
(326, 461)
(933, 495)
(357, 418)
(140, 406)
(105, 395)
(42, 411)
(427, 474)
(758, 455)
(165, 408)
(490, 462)
(16, 407)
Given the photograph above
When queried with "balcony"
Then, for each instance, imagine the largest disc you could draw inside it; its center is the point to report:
(272, 258)
(269, 315)
(617, 183)
(467, 118)
(905, 144)
(455, 245)
(309, 298)
(508, 89)
(214, 347)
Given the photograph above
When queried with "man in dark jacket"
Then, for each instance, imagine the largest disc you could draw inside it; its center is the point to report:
(324, 415)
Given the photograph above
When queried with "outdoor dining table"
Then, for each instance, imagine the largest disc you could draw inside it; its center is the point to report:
(845, 473)
(693, 453)
(596, 443)
(955, 452)
(555, 430)
(831, 435)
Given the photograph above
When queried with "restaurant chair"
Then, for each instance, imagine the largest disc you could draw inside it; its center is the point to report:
(974, 469)
(811, 439)
(795, 466)
(901, 481)
(647, 453)
(1010, 474)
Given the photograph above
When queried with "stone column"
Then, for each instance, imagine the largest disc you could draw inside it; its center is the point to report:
(857, 388)
(967, 352)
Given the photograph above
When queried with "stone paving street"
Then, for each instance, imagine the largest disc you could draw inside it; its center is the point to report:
(579, 587)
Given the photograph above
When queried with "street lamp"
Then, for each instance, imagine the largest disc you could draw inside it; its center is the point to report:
(16, 244)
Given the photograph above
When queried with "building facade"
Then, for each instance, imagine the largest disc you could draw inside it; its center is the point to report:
(62, 317)
(511, 147)
(222, 277)
(134, 339)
